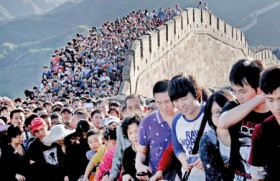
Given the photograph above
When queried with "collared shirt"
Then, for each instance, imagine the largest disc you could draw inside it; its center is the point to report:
(154, 133)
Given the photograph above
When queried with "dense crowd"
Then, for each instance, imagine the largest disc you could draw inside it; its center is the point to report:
(185, 132)
(92, 65)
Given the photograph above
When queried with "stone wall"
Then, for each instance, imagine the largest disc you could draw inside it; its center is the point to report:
(196, 42)
(268, 57)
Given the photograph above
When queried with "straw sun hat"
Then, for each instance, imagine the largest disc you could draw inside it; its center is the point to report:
(57, 132)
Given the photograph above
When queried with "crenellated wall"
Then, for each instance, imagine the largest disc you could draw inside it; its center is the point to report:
(269, 58)
(197, 43)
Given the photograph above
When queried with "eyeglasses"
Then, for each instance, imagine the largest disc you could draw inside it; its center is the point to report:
(246, 131)
(216, 113)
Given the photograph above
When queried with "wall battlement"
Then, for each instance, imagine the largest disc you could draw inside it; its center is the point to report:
(196, 42)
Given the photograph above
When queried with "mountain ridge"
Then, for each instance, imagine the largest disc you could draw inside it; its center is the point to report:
(30, 41)
(22, 8)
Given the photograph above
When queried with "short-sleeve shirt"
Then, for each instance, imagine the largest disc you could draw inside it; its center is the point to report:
(184, 132)
(244, 129)
(155, 133)
(265, 150)
(48, 160)
(41, 153)
(184, 135)
(243, 132)
(98, 156)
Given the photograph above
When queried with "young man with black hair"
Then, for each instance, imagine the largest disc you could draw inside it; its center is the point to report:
(31, 106)
(17, 117)
(76, 103)
(48, 106)
(155, 133)
(241, 116)
(95, 118)
(185, 94)
(66, 115)
(265, 152)
(77, 116)
(103, 105)
(18, 102)
(24, 105)
(5, 112)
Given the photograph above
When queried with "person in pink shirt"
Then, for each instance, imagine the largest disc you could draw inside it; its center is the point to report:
(105, 166)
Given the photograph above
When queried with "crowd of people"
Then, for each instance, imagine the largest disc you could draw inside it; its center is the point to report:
(67, 129)
(92, 65)
(185, 133)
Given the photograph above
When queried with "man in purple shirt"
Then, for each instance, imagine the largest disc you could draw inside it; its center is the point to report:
(155, 133)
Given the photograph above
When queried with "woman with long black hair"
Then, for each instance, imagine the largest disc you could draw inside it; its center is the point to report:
(216, 148)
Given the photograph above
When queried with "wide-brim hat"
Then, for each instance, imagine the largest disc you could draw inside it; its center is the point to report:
(57, 132)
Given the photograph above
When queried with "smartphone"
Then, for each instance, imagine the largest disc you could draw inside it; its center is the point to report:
(192, 158)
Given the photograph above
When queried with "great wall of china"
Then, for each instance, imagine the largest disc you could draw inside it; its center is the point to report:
(197, 43)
